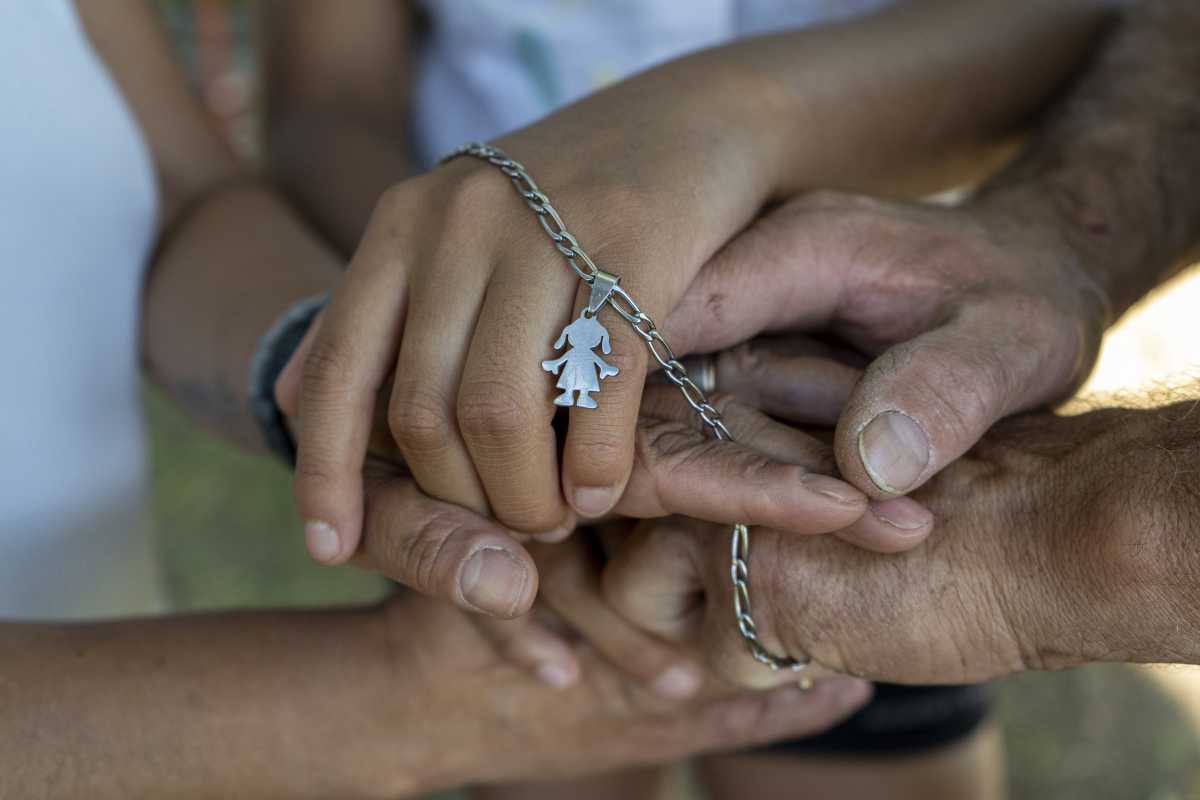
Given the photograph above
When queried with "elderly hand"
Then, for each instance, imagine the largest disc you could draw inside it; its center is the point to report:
(969, 313)
(1030, 568)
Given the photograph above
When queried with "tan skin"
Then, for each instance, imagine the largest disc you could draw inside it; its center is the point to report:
(338, 125)
(467, 406)
(336, 129)
(367, 703)
(309, 703)
(1060, 541)
(32, 640)
(1073, 548)
(1068, 517)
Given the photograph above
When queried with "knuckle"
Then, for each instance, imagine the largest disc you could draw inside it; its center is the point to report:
(496, 411)
(606, 454)
(313, 470)
(328, 368)
(412, 547)
(419, 555)
(728, 405)
(420, 420)
(661, 442)
(475, 190)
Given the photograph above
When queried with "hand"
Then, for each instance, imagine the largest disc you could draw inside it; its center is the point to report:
(772, 476)
(970, 314)
(457, 288)
(471, 717)
(1026, 562)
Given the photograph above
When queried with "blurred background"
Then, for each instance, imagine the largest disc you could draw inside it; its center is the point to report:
(230, 538)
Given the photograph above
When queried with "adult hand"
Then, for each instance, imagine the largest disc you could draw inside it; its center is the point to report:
(970, 314)
(1025, 570)
(482, 720)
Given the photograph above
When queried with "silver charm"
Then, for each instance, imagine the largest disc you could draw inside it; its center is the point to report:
(582, 370)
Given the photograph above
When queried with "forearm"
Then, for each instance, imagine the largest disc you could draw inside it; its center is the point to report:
(1114, 168)
(335, 163)
(891, 101)
(906, 101)
(245, 705)
(910, 98)
(339, 82)
(228, 268)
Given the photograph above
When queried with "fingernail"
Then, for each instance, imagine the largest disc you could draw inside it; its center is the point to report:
(322, 541)
(902, 514)
(838, 491)
(493, 581)
(553, 674)
(848, 692)
(676, 682)
(594, 501)
(895, 451)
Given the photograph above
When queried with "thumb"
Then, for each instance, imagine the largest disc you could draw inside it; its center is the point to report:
(445, 551)
(925, 402)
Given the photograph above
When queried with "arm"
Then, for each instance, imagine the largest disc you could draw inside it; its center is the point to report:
(1114, 167)
(762, 118)
(387, 702)
(231, 256)
(247, 705)
(339, 85)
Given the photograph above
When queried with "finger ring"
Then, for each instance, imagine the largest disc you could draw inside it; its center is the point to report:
(702, 368)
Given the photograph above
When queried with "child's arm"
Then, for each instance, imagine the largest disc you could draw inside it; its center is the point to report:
(232, 256)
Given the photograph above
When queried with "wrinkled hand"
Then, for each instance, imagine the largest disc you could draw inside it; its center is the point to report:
(970, 314)
(1024, 554)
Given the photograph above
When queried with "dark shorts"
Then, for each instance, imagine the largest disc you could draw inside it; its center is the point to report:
(899, 721)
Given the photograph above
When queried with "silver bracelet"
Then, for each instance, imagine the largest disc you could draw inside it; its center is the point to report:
(583, 370)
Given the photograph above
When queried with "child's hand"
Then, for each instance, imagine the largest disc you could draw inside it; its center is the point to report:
(458, 290)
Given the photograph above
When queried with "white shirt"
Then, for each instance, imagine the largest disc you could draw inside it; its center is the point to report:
(78, 202)
(491, 66)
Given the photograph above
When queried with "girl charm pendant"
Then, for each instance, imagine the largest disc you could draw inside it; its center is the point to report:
(582, 370)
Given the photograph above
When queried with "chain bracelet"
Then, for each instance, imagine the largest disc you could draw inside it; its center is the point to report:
(644, 326)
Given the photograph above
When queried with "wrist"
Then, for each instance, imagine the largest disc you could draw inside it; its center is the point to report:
(1119, 581)
(1093, 209)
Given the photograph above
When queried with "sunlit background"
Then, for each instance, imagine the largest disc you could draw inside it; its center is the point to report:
(230, 538)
